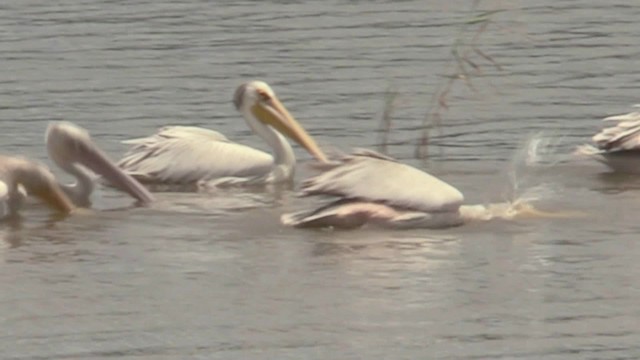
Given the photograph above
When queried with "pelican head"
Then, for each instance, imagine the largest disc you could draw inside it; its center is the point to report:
(260, 106)
(41, 183)
(70, 146)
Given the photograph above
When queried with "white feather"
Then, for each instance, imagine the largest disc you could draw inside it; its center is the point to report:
(624, 135)
(618, 145)
(347, 214)
(184, 154)
(374, 177)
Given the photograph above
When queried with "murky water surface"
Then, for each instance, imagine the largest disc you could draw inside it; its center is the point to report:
(215, 276)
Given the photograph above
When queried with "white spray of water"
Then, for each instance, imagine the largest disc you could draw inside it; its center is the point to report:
(524, 189)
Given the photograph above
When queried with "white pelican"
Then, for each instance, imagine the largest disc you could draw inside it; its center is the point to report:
(375, 189)
(188, 155)
(71, 148)
(617, 146)
(19, 174)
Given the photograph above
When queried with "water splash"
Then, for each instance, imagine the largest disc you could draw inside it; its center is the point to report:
(525, 187)
(538, 152)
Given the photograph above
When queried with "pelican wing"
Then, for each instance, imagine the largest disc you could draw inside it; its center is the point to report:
(184, 155)
(373, 177)
(624, 135)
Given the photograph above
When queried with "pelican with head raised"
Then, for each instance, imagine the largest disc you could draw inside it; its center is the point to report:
(618, 145)
(187, 155)
(72, 149)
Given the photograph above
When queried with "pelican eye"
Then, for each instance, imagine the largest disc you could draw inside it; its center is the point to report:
(264, 96)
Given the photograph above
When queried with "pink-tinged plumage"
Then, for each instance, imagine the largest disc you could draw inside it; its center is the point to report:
(617, 145)
(374, 189)
(72, 149)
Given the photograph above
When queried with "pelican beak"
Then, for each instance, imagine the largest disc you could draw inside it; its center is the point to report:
(53, 196)
(273, 113)
(96, 160)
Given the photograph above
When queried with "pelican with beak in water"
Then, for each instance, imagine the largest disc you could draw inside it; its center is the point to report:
(185, 155)
(19, 176)
(617, 146)
(373, 189)
(72, 149)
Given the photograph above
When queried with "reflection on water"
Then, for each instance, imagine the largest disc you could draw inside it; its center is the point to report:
(214, 275)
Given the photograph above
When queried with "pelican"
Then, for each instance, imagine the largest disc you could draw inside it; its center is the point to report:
(617, 146)
(372, 188)
(190, 155)
(71, 149)
(19, 176)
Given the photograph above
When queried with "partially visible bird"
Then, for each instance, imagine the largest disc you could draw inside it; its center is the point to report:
(72, 149)
(617, 145)
(372, 188)
(19, 176)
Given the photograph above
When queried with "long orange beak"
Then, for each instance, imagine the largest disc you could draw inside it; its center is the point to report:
(274, 114)
(53, 196)
(67, 142)
(96, 160)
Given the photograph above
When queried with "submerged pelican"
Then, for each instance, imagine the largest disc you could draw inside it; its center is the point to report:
(617, 146)
(187, 155)
(375, 189)
(72, 149)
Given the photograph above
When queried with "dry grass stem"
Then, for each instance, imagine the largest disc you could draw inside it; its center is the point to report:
(465, 53)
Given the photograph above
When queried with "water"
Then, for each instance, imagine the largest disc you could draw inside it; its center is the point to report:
(208, 276)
